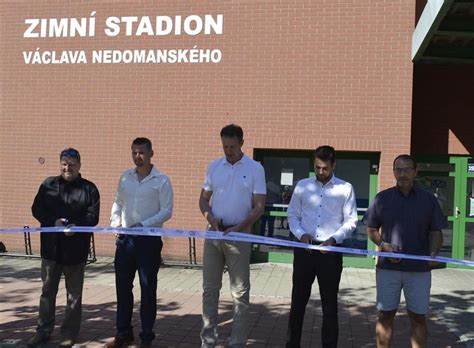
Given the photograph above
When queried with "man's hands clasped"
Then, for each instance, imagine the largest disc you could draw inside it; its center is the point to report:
(306, 238)
(62, 222)
(390, 248)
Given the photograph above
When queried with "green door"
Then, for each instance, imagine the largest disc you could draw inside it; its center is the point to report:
(283, 169)
(451, 180)
(463, 239)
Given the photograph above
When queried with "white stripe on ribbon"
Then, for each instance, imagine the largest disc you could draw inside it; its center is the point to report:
(233, 236)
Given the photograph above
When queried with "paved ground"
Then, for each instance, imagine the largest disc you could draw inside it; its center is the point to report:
(451, 322)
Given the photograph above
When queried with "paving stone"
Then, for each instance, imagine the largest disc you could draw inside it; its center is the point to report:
(179, 307)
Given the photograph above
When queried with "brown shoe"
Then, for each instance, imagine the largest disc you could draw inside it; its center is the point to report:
(66, 343)
(119, 342)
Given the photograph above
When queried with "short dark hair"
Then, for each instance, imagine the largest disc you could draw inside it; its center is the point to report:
(143, 141)
(405, 157)
(232, 130)
(325, 153)
(70, 152)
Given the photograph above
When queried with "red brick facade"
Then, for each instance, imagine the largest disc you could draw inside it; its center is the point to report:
(294, 74)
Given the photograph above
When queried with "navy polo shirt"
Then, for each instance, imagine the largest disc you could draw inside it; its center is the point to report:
(406, 221)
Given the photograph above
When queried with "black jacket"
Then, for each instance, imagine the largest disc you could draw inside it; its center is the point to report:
(77, 201)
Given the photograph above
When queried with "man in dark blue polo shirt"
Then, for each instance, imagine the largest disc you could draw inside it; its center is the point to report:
(408, 220)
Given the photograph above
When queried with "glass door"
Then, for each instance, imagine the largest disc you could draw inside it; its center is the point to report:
(438, 176)
(283, 169)
(361, 170)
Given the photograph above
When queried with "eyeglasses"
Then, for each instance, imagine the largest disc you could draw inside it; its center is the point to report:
(407, 170)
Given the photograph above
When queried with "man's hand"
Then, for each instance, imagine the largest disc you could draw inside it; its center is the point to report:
(328, 242)
(69, 233)
(436, 242)
(305, 238)
(117, 234)
(213, 222)
(60, 222)
(390, 248)
(434, 264)
(235, 228)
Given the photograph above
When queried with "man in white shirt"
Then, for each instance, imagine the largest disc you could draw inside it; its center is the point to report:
(232, 199)
(144, 199)
(322, 211)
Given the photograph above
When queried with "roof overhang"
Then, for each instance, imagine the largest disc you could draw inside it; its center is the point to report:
(445, 32)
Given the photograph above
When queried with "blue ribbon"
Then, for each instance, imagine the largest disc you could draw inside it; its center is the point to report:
(234, 236)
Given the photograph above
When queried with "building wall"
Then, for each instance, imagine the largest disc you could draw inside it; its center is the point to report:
(294, 74)
(443, 108)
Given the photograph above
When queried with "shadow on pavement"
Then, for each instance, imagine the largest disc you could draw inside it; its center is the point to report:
(179, 317)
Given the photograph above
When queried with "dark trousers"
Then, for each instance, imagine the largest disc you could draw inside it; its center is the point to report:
(74, 279)
(142, 254)
(327, 268)
(263, 224)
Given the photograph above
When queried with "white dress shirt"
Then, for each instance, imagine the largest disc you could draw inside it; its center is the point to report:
(323, 211)
(149, 202)
(232, 187)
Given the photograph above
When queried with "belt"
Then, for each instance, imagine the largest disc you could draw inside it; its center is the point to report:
(315, 242)
(124, 235)
(222, 227)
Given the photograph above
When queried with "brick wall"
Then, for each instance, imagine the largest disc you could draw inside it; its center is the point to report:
(294, 75)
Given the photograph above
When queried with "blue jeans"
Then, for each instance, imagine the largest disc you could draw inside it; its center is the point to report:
(142, 254)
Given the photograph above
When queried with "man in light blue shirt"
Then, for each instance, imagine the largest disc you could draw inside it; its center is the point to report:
(322, 211)
(144, 199)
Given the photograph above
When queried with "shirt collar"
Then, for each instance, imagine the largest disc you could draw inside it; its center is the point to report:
(413, 190)
(243, 160)
(154, 173)
(331, 181)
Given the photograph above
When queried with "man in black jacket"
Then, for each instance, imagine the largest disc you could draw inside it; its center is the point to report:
(64, 200)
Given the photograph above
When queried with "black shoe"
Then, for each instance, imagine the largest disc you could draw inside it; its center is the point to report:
(37, 339)
(145, 344)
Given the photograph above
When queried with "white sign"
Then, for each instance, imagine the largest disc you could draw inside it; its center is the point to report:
(286, 177)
